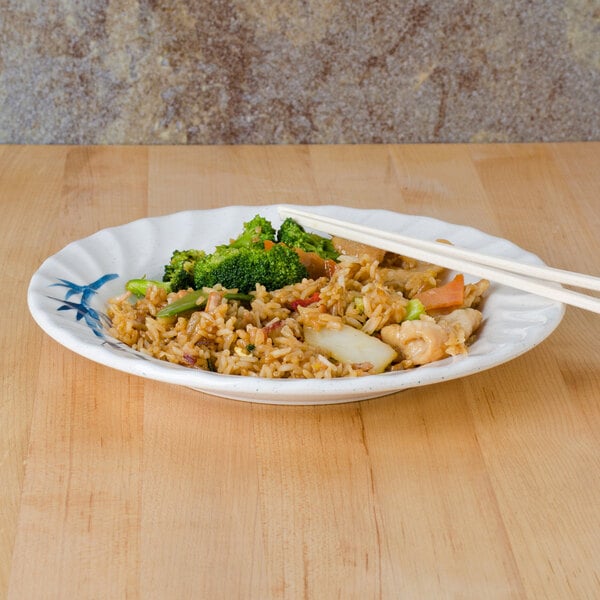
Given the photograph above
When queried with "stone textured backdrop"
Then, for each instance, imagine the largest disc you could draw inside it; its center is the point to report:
(298, 71)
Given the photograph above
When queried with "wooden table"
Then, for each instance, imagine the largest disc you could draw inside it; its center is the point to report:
(117, 487)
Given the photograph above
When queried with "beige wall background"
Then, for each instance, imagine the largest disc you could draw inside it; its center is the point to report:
(291, 71)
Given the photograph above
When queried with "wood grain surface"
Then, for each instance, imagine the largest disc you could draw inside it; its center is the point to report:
(117, 487)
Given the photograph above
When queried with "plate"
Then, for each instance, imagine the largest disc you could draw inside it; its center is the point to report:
(67, 297)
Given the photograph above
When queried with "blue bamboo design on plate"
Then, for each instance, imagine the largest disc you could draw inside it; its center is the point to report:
(94, 319)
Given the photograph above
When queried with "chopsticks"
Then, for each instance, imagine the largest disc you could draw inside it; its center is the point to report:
(528, 278)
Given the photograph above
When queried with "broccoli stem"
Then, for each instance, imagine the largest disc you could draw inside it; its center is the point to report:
(139, 287)
(238, 296)
(195, 300)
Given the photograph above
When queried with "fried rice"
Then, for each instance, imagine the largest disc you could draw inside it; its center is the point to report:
(265, 337)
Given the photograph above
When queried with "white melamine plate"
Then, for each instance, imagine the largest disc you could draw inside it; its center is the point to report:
(68, 294)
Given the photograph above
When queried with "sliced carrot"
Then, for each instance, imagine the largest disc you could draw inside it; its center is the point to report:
(445, 296)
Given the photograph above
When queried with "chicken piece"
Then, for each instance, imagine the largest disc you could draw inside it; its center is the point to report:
(352, 248)
(411, 281)
(398, 261)
(418, 342)
(474, 292)
(424, 341)
(467, 320)
(460, 325)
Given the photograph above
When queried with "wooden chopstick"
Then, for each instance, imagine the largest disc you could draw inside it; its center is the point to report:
(529, 278)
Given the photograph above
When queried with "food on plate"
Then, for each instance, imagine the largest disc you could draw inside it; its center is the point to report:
(289, 303)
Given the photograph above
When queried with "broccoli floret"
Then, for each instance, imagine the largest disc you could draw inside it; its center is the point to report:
(255, 233)
(179, 273)
(243, 268)
(231, 267)
(293, 234)
(283, 268)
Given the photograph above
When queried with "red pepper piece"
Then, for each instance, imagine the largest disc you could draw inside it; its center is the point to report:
(294, 304)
